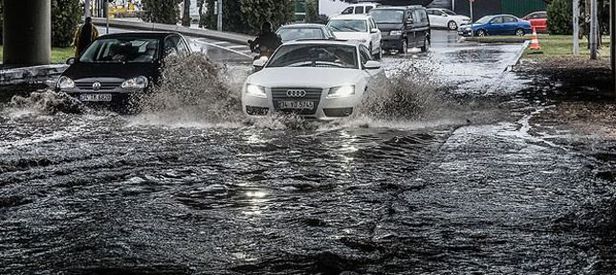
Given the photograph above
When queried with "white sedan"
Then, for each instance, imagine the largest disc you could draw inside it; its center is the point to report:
(444, 18)
(360, 28)
(314, 79)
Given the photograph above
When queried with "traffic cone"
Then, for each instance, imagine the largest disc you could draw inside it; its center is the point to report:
(534, 43)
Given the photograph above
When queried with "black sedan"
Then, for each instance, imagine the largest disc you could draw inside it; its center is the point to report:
(116, 67)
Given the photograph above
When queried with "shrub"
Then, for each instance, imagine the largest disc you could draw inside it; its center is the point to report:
(66, 15)
(277, 12)
(559, 16)
(160, 11)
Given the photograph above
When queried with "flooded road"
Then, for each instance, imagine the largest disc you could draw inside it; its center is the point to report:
(479, 184)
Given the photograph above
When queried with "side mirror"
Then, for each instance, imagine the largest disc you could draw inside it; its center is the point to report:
(375, 30)
(444, 15)
(259, 63)
(372, 65)
(71, 61)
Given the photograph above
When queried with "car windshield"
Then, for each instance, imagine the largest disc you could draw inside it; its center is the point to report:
(387, 16)
(121, 50)
(315, 55)
(484, 20)
(289, 34)
(348, 25)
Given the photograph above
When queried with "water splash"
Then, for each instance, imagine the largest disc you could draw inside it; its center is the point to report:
(43, 103)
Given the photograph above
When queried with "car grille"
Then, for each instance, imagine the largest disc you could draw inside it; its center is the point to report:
(87, 85)
(312, 94)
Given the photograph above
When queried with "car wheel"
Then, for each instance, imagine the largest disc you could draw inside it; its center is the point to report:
(519, 32)
(405, 46)
(426, 45)
(452, 25)
(481, 33)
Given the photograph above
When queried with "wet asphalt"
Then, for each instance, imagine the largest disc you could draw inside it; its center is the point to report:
(479, 185)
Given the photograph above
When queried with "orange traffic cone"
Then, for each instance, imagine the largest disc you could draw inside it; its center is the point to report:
(534, 43)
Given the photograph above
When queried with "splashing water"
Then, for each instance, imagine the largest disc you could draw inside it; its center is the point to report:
(45, 103)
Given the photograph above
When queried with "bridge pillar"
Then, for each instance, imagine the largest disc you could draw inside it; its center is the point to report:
(27, 32)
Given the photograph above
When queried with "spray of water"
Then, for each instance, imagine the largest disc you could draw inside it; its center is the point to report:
(46, 103)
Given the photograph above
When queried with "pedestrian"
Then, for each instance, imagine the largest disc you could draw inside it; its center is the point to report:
(84, 36)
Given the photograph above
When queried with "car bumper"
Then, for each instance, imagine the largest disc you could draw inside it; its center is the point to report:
(465, 32)
(391, 43)
(324, 108)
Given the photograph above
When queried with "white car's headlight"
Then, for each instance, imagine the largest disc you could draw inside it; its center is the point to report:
(255, 90)
(341, 91)
(65, 83)
(395, 33)
(140, 82)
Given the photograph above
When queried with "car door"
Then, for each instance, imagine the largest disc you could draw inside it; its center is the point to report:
(510, 25)
(375, 37)
(495, 26)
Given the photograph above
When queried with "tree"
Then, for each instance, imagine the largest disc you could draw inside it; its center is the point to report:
(160, 11)
(560, 17)
(186, 16)
(277, 12)
(65, 17)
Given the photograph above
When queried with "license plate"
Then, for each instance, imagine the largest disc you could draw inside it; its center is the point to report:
(95, 97)
(296, 105)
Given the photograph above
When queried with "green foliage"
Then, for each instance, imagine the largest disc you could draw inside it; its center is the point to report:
(559, 16)
(66, 15)
(160, 11)
(247, 16)
(312, 11)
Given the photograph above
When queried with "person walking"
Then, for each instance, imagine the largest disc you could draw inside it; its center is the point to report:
(84, 36)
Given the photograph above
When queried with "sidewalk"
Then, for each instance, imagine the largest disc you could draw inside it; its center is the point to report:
(194, 30)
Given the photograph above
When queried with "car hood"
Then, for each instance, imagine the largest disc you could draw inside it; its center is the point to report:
(123, 71)
(305, 77)
(386, 27)
(351, 35)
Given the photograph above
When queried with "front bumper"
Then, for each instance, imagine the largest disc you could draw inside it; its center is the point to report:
(109, 95)
(392, 43)
(465, 32)
(324, 108)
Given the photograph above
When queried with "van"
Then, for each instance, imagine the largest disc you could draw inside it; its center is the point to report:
(362, 8)
(403, 27)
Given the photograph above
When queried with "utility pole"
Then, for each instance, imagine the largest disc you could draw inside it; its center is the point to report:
(576, 27)
(107, 15)
(219, 10)
(453, 5)
(470, 3)
(86, 7)
(594, 20)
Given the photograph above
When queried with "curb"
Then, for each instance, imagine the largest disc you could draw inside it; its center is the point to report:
(211, 34)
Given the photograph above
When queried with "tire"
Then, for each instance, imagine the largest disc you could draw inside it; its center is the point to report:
(405, 46)
(426, 45)
(481, 33)
(452, 25)
(519, 32)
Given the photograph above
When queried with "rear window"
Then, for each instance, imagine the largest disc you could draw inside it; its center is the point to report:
(289, 34)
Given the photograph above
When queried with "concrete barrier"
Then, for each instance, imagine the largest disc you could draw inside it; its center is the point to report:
(211, 34)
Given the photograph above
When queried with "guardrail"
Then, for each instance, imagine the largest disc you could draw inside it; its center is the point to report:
(211, 34)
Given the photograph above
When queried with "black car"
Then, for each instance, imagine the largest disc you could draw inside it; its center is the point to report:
(116, 67)
(403, 27)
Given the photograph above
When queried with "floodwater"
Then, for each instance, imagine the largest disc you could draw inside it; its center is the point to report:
(469, 183)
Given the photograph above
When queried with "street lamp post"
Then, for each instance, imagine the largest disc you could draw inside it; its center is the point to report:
(219, 10)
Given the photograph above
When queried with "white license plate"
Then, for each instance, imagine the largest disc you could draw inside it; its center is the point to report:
(95, 97)
(297, 105)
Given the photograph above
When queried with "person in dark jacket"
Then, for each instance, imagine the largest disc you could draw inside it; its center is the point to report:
(267, 41)
(84, 36)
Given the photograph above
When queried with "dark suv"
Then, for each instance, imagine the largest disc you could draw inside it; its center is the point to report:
(403, 27)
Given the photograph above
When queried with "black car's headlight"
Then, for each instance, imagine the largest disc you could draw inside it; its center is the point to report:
(140, 82)
(65, 83)
(341, 91)
(255, 90)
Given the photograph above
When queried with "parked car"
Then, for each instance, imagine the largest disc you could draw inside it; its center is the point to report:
(116, 67)
(360, 28)
(314, 79)
(538, 20)
(403, 27)
(444, 18)
(304, 31)
(361, 8)
(502, 24)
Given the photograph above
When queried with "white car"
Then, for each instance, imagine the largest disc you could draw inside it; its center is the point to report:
(311, 78)
(444, 18)
(359, 28)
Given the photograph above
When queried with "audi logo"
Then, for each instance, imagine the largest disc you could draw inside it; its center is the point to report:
(96, 86)
(296, 93)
